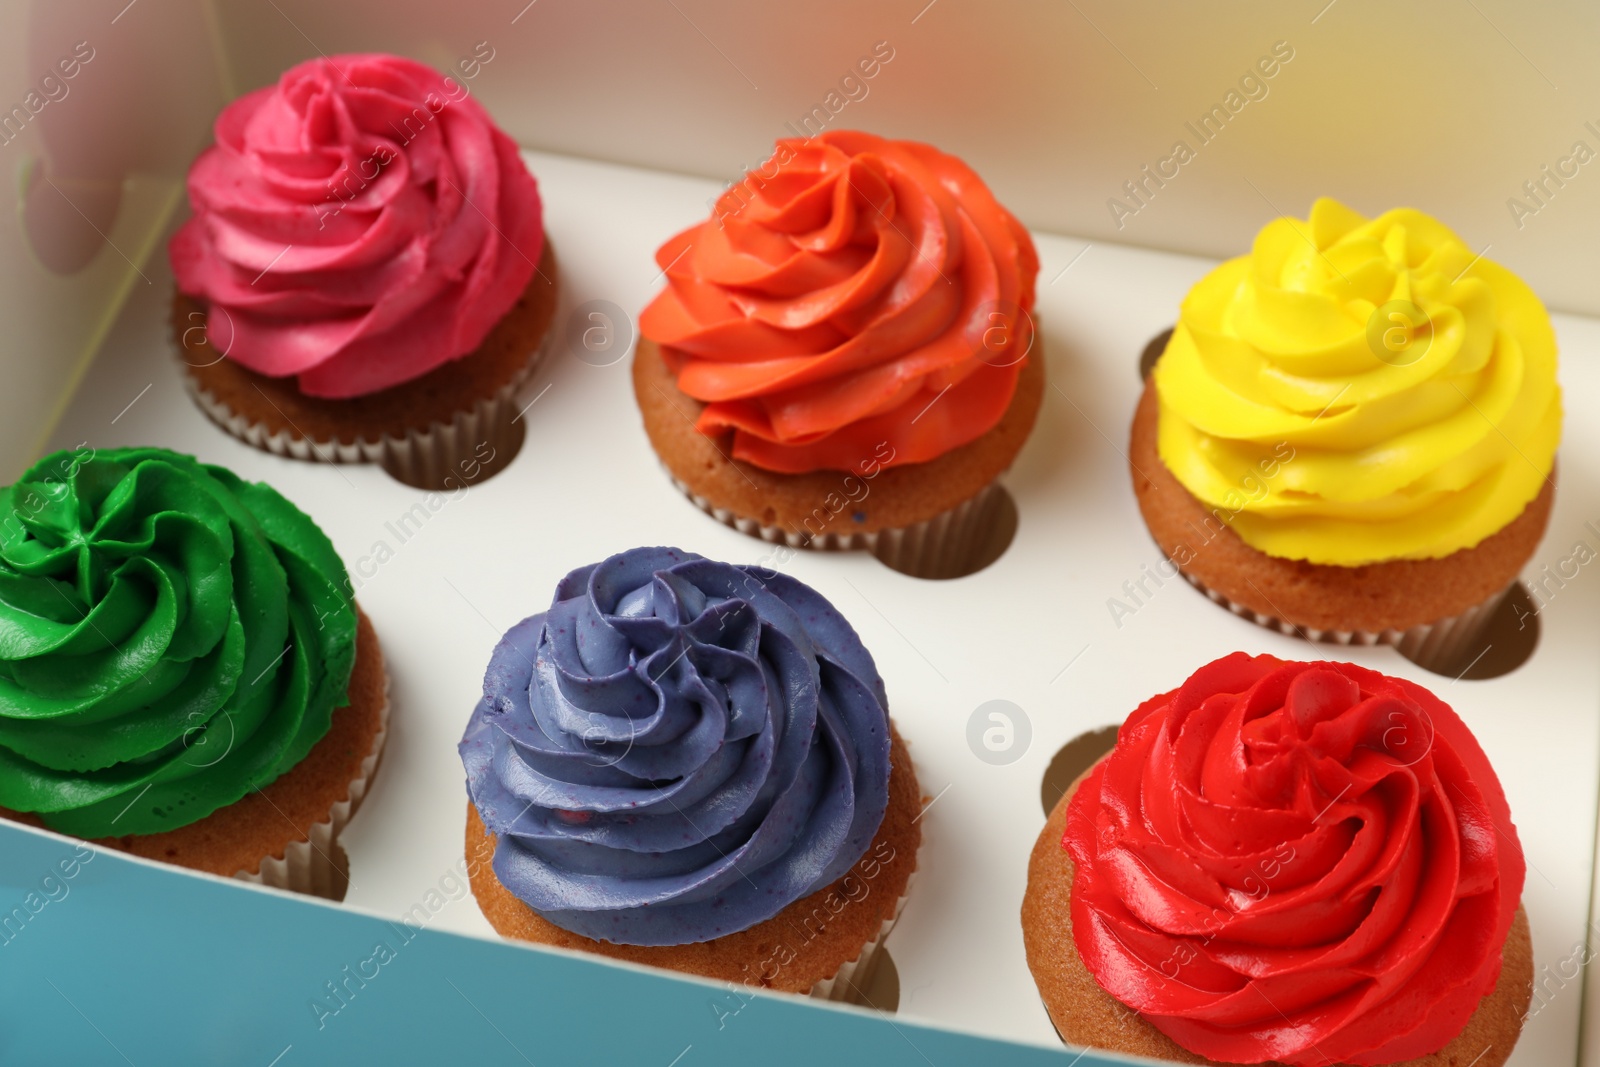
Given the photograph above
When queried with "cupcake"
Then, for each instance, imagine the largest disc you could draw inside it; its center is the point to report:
(690, 764)
(1352, 431)
(1291, 863)
(184, 674)
(843, 357)
(365, 276)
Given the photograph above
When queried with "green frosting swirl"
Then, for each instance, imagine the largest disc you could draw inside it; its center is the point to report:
(171, 638)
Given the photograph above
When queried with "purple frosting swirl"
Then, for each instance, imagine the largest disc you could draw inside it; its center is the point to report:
(678, 749)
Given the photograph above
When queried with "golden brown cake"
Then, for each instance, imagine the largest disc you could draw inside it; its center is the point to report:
(502, 361)
(1389, 595)
(867, 500)
(803, 944)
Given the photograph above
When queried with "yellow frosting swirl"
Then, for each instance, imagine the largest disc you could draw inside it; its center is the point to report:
(1357, 390)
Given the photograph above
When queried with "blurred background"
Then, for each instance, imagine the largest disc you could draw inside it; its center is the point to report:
(1167, 125)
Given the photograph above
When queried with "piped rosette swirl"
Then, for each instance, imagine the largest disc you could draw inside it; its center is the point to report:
(677, 749)
(1412, 381)
(1307, 863)
(836, 293)
(171, 638)
(357, 224)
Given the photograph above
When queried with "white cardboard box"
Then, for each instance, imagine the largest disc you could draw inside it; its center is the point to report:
(1448, 109)
(1034, 628)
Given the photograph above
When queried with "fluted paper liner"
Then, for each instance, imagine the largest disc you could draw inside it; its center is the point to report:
(1433, 646)
(420, 457)
(934, 548)
(309, 866)
(849, 983)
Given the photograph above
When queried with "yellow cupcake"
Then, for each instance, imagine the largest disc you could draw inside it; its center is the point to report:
(1353, 395)
(1415, 381)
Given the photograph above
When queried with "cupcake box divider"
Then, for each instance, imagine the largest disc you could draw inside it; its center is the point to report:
(989, 676)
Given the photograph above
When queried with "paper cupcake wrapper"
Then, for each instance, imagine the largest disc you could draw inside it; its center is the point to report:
(1433, 646)
(310, 866)
(849, 983)
(934, 548)
(423, 457)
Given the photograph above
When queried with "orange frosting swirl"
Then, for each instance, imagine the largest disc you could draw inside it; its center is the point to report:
(851, 291)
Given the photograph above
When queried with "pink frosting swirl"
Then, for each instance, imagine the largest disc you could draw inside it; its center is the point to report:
(358, 224)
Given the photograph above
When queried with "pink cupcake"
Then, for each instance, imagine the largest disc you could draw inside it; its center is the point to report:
(365, 276)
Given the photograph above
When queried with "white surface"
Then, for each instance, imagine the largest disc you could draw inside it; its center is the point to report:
(587, 484)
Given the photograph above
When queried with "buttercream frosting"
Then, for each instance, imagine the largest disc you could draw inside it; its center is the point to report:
(171, 638)
(1413, 380)
(677, 749)
(1308, 863)
(356, 225)
(852, 291)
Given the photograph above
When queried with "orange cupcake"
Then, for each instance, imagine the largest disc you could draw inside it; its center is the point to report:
(844, 356)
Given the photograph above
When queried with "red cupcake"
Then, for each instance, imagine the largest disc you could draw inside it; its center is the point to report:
(1298, 863)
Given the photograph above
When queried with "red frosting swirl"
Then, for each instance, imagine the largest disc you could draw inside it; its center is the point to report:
(851, 291)
(1304, 862)
(357, 224)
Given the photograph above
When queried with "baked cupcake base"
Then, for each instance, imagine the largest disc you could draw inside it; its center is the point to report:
(809, 947)
(925, 519)
(283, 835)
(457, 422)
(1085, 1014)
(1429, 608)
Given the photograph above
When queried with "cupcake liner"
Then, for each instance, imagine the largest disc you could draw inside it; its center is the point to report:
(310, 866)
(423, 458)
(1433, 646)
(848, 984)
(850, 981)
(934, 548)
